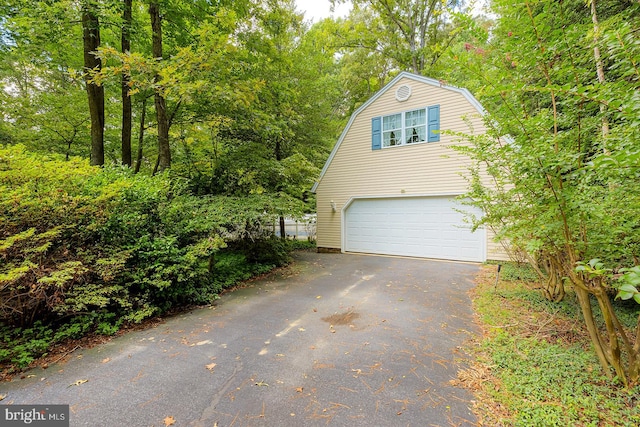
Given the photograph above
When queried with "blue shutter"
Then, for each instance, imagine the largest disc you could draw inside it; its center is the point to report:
(433, 122)
(376, 133)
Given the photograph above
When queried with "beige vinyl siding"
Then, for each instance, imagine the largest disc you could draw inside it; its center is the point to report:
(495, 250)
(417, 169)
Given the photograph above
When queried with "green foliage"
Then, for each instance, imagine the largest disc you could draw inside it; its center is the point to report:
(230, 268)
(76, 328)
(515, 271)
(302, 244)
(268, 249)
(108, 324)
(379, 38)
(548, 384)
(19, 347)
(556, 172)
(629, 283)
(85, 249)
(542, 374)
(559, 180)
(22, 346)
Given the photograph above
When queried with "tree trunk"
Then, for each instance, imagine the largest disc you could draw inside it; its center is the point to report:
(278, 155)
(95, 93)
(613, 346)
(553, 287)
(164, 151)
(596, 339)
(143, 115)
(126, 99)
(283, 229)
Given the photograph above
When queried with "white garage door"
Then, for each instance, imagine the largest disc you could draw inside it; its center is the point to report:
(428, 227)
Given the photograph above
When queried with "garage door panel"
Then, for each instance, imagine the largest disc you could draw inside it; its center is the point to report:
(429, 227)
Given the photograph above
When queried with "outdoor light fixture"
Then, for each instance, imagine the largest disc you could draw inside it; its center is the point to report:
(333, 206)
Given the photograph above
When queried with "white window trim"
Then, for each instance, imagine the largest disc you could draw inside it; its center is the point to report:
(403, 129)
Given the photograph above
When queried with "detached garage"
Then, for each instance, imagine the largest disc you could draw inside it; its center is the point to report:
(391, 183)
(429, 227)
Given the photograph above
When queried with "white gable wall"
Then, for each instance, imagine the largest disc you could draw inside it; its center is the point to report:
(426, 169)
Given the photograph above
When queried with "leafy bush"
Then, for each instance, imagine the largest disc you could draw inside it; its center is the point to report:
(21, 346)
(232, 267)
(556, 173)
(85, 249)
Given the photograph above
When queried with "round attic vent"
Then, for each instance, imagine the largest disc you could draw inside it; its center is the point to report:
(403, 93)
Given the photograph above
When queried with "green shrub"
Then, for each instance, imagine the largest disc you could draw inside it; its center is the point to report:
(270, 250)
(21, 346)
(76, 328)
(108, 324)
(231, 268)
(85, 249)
(302, 245)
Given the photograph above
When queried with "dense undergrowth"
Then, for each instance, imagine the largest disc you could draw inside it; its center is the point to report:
(87, 250)
(533, 364)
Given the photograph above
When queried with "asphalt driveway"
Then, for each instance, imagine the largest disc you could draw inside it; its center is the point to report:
(338, 340)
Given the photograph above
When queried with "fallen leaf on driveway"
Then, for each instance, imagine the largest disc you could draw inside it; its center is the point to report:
(78, 382)
(319, 296)
(169, 421)
(301, 329)
(210, 366)
(262, 384)
(299, 389)
(2, 396)
(107, 360)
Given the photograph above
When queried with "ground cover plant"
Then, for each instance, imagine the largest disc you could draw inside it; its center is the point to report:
(533, 364)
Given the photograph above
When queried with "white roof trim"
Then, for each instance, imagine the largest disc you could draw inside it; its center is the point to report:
(433, 82)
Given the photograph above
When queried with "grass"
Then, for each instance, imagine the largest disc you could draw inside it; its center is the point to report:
(534, 364)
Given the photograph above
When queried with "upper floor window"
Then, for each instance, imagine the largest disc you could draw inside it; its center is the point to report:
(392, 130)
(408, 127)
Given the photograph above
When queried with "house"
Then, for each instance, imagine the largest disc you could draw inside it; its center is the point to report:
(392, 182)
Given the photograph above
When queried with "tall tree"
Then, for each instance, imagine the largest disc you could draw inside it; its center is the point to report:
(127, 21)
(564, 191)
(164, 150)
(413, 34)
(95, 92)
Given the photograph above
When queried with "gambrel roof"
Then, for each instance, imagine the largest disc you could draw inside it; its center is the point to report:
(415, 77)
